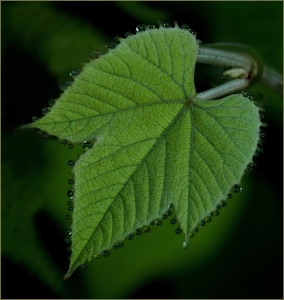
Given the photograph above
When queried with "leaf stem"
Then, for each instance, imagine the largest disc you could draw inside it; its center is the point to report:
(224, 58)
(224, 89)
(244, 67)
(272, 79)
(243, 63)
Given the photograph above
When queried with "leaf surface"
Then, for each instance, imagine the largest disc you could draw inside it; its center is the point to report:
(154, 143)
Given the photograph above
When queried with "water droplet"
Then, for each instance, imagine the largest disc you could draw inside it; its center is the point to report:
(63, 87)
(70, 193)
(249, 167)
(244, 93)
(196, 230)
(70, 208)
(141, 28)
(87, 145)
(44, 135)
(75, 72)
(128, 34)
(105, 253)
(138, 232)
(110, 45)
(151, 26)
(158, 222)
(198, 41)
(167, 25)
(64, 142)
(223, 203)
(229, 196)
(71, 163)
(173, 221)
(71, 181)
(70, 203)
(117, 39)
(70, 146)
(67, 217)
(45, 110)
(258, 151)
(120, 244)
(178, 231)
(263, 125)
(237, 189)
(217, 213)
(52, 137)
(262, 134)
(211, 215)
(218, 207)
(39, 132)
(83, 266)
(250, 97)
(34, 118)
(131, 237)
(160, 23)
(69, 230)
(207, 219)
(50, 103)
(185, 245)
(199, 51)
(191, 235)
(147, 229)
(185, 26)
(170, 206)
(67, 240)
(202, 224)
(169, 213)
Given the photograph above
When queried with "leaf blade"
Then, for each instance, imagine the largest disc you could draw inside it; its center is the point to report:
(154, 142)
(124, 65)
(227, 153)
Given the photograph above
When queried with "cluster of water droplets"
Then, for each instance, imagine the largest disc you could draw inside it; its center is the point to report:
(138, 232)
(159, 221)
(261, 133)
(86, 145)
(70, 194)
(143, 27)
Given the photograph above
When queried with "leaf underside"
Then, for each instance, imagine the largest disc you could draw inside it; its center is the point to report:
(154, 142)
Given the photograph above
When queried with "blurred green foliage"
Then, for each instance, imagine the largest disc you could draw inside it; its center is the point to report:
(239, 255)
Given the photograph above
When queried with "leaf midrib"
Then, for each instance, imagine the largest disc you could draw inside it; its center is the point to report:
(185, 107)
(162, 102)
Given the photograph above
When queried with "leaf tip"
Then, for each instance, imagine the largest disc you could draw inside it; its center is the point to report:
(66, 276)
(26, 126)
(185, 245)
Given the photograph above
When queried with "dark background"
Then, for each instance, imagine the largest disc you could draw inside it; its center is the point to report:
(238, 256)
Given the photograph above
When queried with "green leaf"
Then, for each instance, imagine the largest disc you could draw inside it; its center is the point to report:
(154, 143)
(22, 242)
